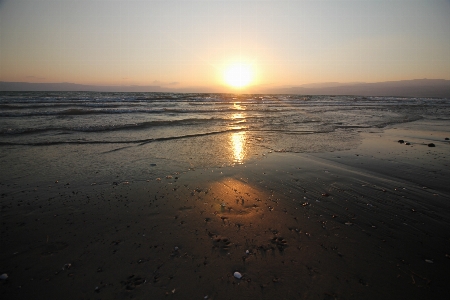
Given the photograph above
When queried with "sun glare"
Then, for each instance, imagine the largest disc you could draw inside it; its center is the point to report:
(238, 75)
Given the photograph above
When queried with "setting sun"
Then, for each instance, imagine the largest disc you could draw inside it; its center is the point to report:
(238, 75)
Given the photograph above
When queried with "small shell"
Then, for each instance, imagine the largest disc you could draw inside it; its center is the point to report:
(4, 276)
(429, 261)
(237, 275)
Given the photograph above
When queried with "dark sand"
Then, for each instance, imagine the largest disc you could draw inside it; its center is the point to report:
(367, 223)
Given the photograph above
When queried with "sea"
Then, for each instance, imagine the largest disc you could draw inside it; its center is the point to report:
(194, 130)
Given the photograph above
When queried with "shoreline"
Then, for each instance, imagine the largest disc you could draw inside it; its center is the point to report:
(366, 223)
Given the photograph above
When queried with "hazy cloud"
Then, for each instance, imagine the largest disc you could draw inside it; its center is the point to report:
(34, 77)
(162, 83)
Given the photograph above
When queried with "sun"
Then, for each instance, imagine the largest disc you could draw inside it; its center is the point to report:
(238, 75)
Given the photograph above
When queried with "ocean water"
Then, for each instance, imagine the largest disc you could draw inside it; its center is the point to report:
(194, 130)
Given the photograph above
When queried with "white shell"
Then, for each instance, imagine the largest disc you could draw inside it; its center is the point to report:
(237, 275)
(4, 276)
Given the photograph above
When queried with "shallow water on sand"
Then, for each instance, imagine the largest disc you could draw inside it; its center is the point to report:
(189, 130)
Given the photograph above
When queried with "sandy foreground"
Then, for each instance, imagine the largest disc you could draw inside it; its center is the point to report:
(367, 223)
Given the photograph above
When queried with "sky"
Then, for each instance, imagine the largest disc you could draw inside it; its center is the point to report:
(179, 44)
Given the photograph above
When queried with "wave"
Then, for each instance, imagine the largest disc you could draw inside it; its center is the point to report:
(116, 127)
(102, 111)
(138, 142)
(24, 106)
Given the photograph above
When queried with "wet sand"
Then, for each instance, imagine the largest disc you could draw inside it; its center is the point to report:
(368, 223)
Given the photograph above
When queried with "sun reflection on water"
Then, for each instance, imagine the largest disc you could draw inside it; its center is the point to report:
(237, 139)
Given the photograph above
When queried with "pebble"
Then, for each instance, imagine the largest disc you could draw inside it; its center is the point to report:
(401, 141)
(431, 145)
(4, 276)
(429, 261)
(237, 275)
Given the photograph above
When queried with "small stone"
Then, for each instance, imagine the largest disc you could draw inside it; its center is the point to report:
(407, 143)
(4, 276)
(431, 145)
(237, 275)
(446, 139)
(429, 261)
(348, 223)
(401, 141)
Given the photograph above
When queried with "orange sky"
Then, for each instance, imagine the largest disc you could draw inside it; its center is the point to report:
(182, 44)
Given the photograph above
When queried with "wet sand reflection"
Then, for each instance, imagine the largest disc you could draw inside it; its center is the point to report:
(237, 139)
(238, 146)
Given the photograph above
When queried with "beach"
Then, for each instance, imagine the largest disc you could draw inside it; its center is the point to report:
(369, 223)
(362, 216)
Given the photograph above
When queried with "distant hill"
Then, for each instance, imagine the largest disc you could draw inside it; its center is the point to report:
(404, 88)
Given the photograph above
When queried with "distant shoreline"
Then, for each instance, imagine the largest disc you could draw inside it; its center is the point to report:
(434, 88)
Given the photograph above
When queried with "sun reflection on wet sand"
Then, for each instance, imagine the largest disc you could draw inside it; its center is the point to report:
(238, 146)
(237, 139)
